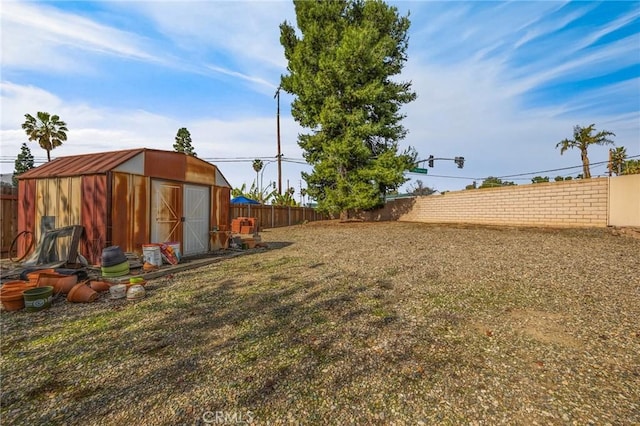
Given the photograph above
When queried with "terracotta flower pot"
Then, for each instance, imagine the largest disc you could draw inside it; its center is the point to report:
(33, 276)
(148, 267)
(17, 284)
(12, 299)
(100, 286)
(82, 293)
(60, 283)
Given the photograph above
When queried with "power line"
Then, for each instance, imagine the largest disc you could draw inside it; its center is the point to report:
(560, 169)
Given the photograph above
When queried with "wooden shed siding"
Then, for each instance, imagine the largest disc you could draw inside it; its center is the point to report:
(58, 197)
(198, 171)
(9, 199)
(130, 211)
(94, 216)
(165, 165)
(221, 201)
(26, 209)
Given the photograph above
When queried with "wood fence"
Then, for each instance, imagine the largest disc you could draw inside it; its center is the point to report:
(276, 216)
(9, 227)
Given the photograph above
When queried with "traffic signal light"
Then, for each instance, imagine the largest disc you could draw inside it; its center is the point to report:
(459, 161)
(431, 161)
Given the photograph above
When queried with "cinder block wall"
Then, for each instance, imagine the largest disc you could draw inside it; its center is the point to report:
(576, 203)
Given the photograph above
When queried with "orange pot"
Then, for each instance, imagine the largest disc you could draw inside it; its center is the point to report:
(100, 286)
(17, 284)
(60, 283)
(82, 293)
(12, 299)
(34, 275)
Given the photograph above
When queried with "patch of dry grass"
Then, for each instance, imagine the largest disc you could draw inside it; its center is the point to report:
(387, 323)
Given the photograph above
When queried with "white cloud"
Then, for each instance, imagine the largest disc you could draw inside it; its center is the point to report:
(37, 36)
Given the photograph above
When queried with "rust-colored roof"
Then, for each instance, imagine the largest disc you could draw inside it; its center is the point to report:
(85, 164)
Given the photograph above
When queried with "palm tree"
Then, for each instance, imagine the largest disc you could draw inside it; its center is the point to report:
(257, 166)
(582, 138)
(47, 129)
(618, 158)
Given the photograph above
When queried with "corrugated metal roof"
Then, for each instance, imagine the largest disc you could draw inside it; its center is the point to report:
(86, 164)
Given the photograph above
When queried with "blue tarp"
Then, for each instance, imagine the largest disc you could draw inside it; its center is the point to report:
(243, 200)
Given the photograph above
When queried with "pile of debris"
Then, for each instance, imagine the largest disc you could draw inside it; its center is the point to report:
(244, 234)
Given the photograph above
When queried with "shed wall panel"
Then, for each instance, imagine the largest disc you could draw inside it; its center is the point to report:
(165, 165)
(198, 171)
(26, 210)
(221, 180)
(133, 165)
(59, 198)
(221, 202)
(130, 211)
(94, 217)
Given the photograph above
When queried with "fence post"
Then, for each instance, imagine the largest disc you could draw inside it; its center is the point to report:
(273, 217)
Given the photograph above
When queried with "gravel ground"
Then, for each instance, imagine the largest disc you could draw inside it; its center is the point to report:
(350, 323)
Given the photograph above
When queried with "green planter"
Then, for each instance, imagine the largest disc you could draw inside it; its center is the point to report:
(37, 299)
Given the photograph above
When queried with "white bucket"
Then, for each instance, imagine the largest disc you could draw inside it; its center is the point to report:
(151, 254)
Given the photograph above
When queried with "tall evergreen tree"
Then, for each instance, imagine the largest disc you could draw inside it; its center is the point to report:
(47, 129)
(340, 73)
(23, 162)
(183, 142)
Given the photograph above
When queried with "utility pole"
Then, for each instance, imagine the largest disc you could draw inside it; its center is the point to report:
(277, 96)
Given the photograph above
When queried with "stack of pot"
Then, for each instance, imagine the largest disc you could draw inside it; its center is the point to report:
(114, 262)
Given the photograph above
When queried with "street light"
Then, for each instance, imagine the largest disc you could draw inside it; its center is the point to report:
(264, 166)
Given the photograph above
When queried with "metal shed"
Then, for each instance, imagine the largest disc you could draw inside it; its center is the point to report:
(126, 198)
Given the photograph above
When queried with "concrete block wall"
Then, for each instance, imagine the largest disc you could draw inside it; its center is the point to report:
(576, 203)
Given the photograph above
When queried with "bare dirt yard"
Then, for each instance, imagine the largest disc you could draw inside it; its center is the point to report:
(350, 323)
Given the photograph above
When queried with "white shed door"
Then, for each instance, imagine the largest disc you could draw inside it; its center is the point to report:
(196, 220)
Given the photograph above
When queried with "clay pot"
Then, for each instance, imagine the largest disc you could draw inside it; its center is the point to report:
(16, 285)
(148, 267)
(60, 283)
(12, 299)
(33, 276)
(100, 286)
(82, 293)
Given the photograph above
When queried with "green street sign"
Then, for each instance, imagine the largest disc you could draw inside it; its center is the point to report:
(419, 170)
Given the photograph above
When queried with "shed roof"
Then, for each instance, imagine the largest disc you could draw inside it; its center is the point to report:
(100, 163)
(85, 164)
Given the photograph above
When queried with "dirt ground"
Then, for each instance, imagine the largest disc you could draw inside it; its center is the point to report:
(350, 323)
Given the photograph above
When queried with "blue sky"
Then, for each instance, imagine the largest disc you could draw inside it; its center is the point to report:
(499, 83)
